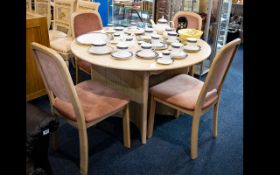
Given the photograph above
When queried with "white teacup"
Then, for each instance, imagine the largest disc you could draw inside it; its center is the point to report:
(146, 50)
(192, 43)
(172, 36)
(129, 40)
(177, 49)
(166, 55)
(117, 37)
(155, 40)
(149, 32)
(99, 46)
(122, 49)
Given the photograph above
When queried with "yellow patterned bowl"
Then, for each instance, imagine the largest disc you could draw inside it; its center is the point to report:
(189, 33)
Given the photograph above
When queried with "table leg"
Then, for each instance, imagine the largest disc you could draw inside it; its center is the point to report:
(135, 85)
(144, 106)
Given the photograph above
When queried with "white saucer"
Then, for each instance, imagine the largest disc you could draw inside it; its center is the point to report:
(146, 54)
(114, 42)
(122, 55)
(164, 61)
(140, 54)
(147, 38)
(180, 55)
(192, 49)
(160, 46)
(103, 51)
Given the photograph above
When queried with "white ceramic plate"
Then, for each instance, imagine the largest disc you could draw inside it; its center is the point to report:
(122, 56)
(89, 37)
(192, 49)
(164, 61)
(95, 50)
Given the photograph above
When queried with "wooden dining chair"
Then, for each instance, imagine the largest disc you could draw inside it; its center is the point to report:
(28, 6)
(84, 22)
(43, 7)
(82, 105)
(192, 96)
(194, 21)
(61, 34)
(83, 6)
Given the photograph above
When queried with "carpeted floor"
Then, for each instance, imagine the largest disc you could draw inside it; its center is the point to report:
(168, 151)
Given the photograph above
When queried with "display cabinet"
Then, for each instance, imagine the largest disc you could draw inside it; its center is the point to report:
(215, 31)
(223, 24)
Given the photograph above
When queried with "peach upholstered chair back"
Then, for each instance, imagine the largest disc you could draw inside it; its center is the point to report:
(63, 10)
(43, 7)
(83, 6)
(194, 19)
(84, 22)
(219, 69)
(56, 76)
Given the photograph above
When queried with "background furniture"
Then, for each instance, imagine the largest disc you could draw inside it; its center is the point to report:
(61, 34)
(39, 126)
(194, 22)
(28, 6)
(195, 97)
(43, 7)
(87, 6)
(36, 31)
(83, 105)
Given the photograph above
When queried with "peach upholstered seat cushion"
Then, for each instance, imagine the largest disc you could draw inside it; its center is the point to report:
(183, 91)
(55, 34)
(96, 101)
(62, 44)
(84, 65)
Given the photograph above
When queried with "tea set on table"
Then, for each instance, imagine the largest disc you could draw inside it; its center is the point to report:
(160, 42)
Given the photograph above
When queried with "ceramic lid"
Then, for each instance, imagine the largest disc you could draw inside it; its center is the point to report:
(117, 34)
(122, 45)
(172, 33)
(166, 52)
(176, 45)
(119, 28)
(155, 36)
(146, 46)
(192, 40)
(162, 20)
(129, 38)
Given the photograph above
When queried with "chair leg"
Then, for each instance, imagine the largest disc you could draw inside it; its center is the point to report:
(194, 136)
(77, 72)
(191, 71)
(151, 117)
(126, 127)
(55, 140)
(83, 151)
(177, 114)
(215, 119)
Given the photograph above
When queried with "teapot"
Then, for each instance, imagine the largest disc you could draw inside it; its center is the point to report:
(161, 25)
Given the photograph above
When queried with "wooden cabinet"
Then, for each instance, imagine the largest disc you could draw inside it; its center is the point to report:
(36, 31)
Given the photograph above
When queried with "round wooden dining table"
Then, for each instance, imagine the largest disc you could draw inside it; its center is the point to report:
(134, 76)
